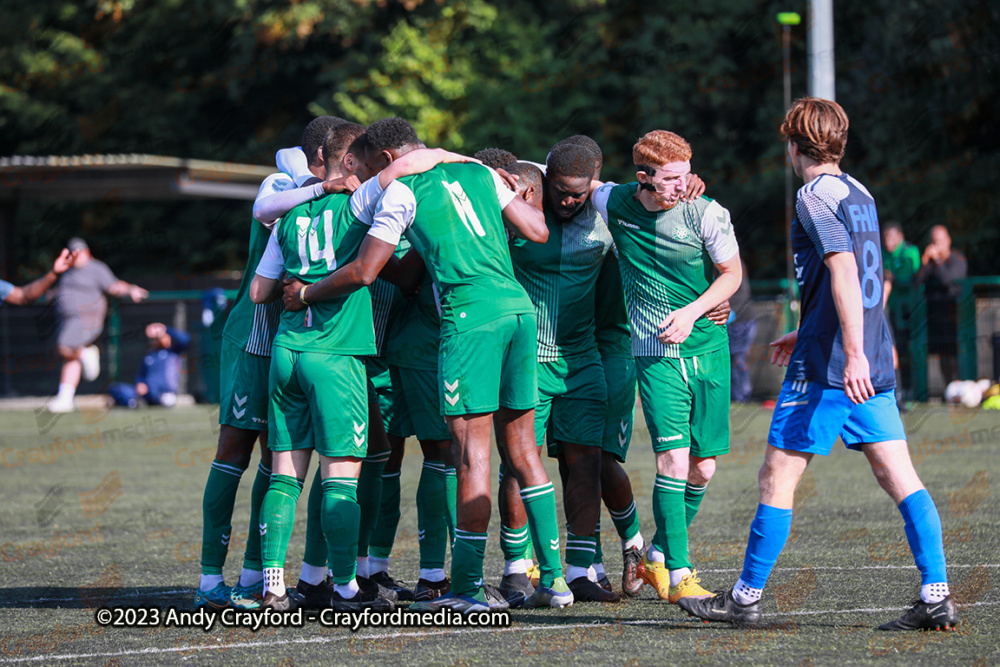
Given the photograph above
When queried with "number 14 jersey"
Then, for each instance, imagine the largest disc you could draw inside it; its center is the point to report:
(837, 214)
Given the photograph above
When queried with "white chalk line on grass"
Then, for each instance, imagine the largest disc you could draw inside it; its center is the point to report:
(431, 633)
(848, 568)
(16, 603)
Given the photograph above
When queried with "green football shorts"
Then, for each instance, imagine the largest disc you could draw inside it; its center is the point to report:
(572, 398)
(243, 388)
(493, 365)
(419, 389)
(384, 389)
(318, 401)
(621, 382)
(686, 402)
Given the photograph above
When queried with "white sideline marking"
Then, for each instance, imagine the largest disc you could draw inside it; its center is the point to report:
(857, 567)
(467, 631)
(10, 604)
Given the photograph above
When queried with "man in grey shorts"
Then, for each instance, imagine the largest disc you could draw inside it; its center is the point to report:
(81, 306)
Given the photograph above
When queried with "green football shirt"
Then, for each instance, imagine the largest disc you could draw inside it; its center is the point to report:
(309, 243)
(667, 260)
(452, 216)
(610, 314)
(560, 276)
(251, 326)
(415, 330)
(388, 303)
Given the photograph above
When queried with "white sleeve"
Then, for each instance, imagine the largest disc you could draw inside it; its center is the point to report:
(293, 162)
(365, 198)
(541, 167)
(278, 195)
(272, 264)
(504, 194)
(395, 213)
(600, 198)
(717, 233)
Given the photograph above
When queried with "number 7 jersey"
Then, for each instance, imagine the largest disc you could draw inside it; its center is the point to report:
(837, 214)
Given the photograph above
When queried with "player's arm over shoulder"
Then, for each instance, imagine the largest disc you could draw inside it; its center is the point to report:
(521, 218)
(717, 232)
(278, 195)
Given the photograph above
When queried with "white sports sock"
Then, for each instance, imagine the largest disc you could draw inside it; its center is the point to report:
(677, 575)
(636, 541)
(655, 555)
(347, 591)
(433, 574)
(66, 391)
(934, 592)
(744, 593)
(250, 578)
(210, 581)
(312, 574)
(376, 564)
(363, 567)
(575, 572)
(274, 581)
(598, 569)
(514, 567)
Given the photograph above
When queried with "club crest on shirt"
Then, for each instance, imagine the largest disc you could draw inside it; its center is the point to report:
(681, 233)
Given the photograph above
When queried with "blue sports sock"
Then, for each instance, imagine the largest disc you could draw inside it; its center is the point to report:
(923, 531)
(768, 534)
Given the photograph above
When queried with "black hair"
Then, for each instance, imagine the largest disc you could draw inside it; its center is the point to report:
(315, 133)
(528, 173)
(339, 139)
(572, 160)
(359, 146)
(497, 158)
(390, 134)
(891, 224)
(589, 144)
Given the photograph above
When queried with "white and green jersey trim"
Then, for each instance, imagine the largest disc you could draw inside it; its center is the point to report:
(666, 260)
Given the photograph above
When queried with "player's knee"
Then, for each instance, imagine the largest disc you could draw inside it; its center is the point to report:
(235, 445)
(673, 463)
(701, 471)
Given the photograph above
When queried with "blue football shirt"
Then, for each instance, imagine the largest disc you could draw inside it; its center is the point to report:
(837, 214)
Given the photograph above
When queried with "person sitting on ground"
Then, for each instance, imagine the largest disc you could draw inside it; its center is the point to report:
(158, 379)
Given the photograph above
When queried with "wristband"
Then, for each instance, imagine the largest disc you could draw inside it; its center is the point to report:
(302, 296)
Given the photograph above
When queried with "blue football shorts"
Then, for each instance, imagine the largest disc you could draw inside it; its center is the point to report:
(810, 415)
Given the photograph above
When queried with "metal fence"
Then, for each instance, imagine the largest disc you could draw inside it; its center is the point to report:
(31, 363)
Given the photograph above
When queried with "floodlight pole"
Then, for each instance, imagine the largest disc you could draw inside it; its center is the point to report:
(787, 20)
(820, 38)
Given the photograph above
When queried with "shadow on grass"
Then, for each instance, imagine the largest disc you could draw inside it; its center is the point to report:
(64, 597)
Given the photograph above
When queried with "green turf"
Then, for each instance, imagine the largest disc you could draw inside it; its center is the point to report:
(63, 553)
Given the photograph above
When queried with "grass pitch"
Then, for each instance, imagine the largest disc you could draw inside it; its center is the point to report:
(105, 509)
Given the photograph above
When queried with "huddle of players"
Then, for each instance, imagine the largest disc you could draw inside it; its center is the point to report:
(574, 325)
(517, 321)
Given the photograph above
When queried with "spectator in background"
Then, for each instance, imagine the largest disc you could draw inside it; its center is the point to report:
(941, 270)
(901, 262)
(742, 331)
(81, 306)
(158, 380)
(898, 256)
(22, 296)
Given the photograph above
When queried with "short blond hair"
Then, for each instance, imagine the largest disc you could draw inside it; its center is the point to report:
(660, 147)
(818, 127)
